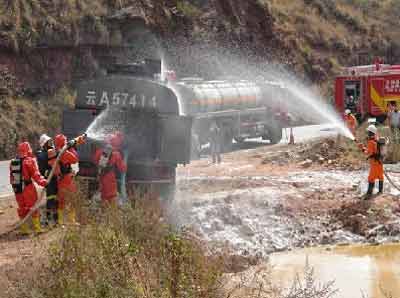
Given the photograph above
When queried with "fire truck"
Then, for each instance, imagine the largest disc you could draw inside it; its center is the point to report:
(367, 90)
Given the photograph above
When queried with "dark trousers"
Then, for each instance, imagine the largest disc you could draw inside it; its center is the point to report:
(215, 151)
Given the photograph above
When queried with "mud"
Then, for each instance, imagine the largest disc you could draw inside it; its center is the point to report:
(251, 206)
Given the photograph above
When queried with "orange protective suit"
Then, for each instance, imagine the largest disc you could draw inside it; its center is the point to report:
(351, 122)
(376, 166)
(63, 171)
(108, 179)
(30, 171)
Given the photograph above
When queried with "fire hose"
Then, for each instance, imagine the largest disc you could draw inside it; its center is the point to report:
(124, 195)
(77, 141)
(391, 181)
(387, 176)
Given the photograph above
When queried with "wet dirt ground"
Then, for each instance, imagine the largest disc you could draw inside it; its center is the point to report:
(261, 201)
(267, 206)
(18, 253)
(254, 206)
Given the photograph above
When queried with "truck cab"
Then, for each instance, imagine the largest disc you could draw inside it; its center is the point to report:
(367, 90)
(145, 110)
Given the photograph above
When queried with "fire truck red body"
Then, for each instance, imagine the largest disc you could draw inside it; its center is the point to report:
(367, 90)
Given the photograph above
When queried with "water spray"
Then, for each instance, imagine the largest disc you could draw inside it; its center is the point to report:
(321, 110)
(96, 130)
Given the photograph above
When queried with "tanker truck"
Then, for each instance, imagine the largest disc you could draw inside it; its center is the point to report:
(159, 119)
(146, 111)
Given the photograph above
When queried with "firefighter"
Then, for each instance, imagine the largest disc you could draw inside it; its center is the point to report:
(24, 170)
(351, 121)
(65, 182)
(394, 121)
(351, 103)
(45, 155)
(215, 142)
(109, 161)
(374, 155)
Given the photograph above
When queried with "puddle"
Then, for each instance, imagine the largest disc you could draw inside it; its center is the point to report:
(357, 270)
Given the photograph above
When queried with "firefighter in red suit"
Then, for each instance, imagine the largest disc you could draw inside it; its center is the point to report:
(109, 160)
(66, 185)
(23, 171)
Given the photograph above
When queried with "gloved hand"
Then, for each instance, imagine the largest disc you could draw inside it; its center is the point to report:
(77, 141)
(43, 183)
(71, 143)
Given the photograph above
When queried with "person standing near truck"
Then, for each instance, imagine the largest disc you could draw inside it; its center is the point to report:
(215, 142)
(374, 152)
(109, 161)
(394, 121)
(45, 155)
(351, 121)
(23, 171)
(394, 124)
(65, 180)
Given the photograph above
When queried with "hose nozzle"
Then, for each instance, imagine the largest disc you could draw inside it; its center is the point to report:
(79, 140)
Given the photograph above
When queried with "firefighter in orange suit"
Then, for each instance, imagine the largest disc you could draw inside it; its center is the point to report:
(109, 160)
(23, 171)
(375, 159)
(65, 184)
(351, 121)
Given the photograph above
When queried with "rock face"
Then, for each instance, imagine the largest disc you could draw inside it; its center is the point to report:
(75, 38)
(48, 44)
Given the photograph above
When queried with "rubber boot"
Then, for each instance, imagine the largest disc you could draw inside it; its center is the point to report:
(380, 187)
(24, 229)
(370, 190)
(36, 225)
(72, 217)
(60, 216)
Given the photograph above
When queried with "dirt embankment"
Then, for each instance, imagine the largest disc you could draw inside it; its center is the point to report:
(49, 45)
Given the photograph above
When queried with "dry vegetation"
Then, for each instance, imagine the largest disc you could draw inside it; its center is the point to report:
(24, 119)
(132, 252)
(329, 34)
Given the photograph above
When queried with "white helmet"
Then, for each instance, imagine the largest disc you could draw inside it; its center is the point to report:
(372, 128)
(347, 112)
(43, 139)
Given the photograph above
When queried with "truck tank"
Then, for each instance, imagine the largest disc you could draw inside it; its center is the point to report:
(244, 109)
(213, 96)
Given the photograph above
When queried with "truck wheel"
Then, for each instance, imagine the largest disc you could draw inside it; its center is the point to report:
(227, 140)
(274, 132)
(196, 148)
(167, 192)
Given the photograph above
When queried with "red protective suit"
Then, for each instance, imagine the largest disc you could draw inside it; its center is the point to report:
(351, 123)
(376, 167)
(108, 180)
(65, 180)
(30, 171)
